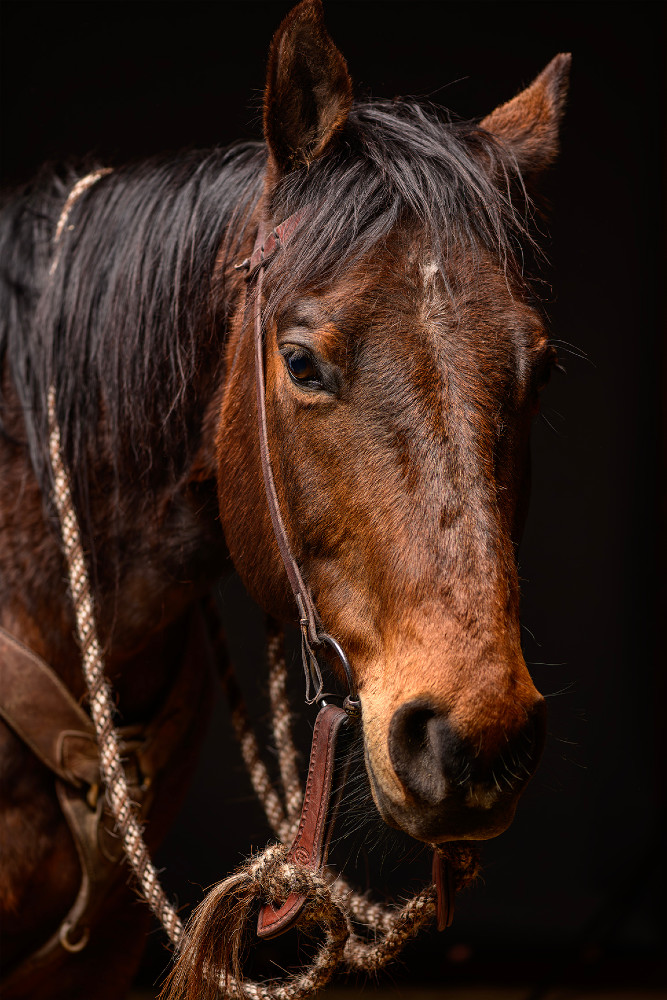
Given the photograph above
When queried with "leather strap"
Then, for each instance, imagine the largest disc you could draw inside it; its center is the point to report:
(38, 707)
(310, 846)
(312, 634)
(444, 891)
(265, 247)
(35, 704)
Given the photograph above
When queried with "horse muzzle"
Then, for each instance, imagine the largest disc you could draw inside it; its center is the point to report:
(444, 785)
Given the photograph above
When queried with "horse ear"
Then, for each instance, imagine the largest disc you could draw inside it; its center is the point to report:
(308, 89)
(529, 124)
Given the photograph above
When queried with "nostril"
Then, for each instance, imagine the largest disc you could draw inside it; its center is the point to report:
(432, 760)
(412, 726)
(425, 751)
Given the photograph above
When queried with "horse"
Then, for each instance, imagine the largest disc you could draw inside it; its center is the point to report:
(404, 355)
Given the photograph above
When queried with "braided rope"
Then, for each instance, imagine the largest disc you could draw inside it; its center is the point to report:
(81, 185)
(260, 778)
(282, 727)
(99, 692)
(270, 875)
(101, 705)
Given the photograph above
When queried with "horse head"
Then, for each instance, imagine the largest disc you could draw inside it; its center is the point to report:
(403, 363)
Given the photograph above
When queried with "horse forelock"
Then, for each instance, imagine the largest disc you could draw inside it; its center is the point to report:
(399, 165)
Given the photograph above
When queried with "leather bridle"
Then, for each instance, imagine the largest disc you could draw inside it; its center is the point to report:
(310, 845)
(313, 634)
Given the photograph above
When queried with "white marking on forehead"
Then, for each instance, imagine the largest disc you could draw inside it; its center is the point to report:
(429, 271)
(431, 300)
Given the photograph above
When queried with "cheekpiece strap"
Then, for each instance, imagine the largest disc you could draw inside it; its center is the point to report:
(312, 635)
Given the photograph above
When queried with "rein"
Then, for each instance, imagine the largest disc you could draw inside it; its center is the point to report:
(292, 885)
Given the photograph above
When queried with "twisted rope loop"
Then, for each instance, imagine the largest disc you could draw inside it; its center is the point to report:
(210, 959)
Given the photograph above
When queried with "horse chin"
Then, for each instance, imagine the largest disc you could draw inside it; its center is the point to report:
(454, 819)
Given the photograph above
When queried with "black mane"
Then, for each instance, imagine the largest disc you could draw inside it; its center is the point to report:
(126, 321)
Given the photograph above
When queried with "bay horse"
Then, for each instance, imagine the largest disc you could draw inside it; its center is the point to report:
(404, 357)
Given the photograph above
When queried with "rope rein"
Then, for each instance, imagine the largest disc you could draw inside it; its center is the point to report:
(99, 694)
(209, 949)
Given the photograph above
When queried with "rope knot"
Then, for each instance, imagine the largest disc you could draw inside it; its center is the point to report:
(211, 953)
(272, 876)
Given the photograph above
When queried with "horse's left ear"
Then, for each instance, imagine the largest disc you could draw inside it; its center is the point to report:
(529, 124)
(308, 89)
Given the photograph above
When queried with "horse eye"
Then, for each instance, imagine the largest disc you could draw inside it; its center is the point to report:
(301, 366)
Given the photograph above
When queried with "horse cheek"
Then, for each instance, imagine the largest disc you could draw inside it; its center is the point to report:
(244, 514)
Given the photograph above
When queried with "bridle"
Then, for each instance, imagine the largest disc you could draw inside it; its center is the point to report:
(313, 634)
(267, 245)
(310, 845)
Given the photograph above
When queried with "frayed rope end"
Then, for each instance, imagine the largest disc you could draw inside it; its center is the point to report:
(210, 958)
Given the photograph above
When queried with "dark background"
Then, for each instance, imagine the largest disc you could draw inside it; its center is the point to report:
(574, 891)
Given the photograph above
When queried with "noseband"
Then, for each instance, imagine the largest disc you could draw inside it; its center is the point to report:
(313, 635)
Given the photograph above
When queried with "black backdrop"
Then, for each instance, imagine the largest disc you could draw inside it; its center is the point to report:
(575, 890)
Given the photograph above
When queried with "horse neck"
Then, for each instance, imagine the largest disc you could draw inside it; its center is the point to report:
(143, 589)
(154, 551)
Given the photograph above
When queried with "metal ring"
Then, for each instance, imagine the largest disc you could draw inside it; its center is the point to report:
(338, 650)
(73, 946)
